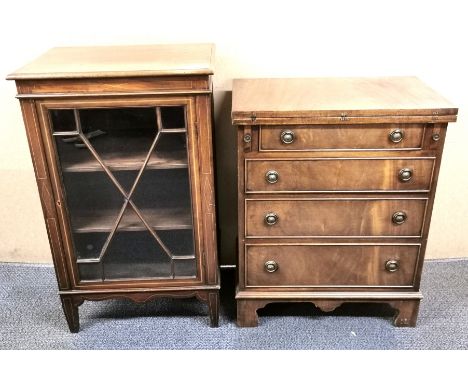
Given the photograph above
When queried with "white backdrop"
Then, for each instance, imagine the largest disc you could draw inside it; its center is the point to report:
(253, 39)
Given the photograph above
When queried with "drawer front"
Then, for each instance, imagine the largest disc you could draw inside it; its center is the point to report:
(330, 265)
(335, 137)
(345, 174)
(334, 217)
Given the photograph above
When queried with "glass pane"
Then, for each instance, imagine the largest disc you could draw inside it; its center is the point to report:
(91, 214)
(185, 268)
(88, 245)
(179, 242)
(171, 152)
(90, 271)
(164, 195)
(127, 190)
(133, 255)
(93, 201)
(173, 117)
(121, 137)
(63, 120)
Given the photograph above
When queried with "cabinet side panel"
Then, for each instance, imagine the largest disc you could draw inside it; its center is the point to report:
(205, 147)
(45, 191)
(434, 139)
(241, 147)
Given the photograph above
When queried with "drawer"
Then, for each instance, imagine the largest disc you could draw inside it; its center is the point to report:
(344, 174)
(386, 136)
(354, 217)
(330, 265)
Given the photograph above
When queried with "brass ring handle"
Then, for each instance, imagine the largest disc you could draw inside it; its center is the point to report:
(405, 174)
(272, 176)
(271, 266)
(392, 265)
(271, 218)
(399, 217)
(396, 136)
(287, 137)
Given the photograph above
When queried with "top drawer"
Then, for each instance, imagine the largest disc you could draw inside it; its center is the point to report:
(388, 136)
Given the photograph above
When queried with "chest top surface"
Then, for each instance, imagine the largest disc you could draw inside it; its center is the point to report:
(331, 97)
(119, 61)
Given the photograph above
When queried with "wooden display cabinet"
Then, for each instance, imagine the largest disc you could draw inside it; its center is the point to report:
(121, 142)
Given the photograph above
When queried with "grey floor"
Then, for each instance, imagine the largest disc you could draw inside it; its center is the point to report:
(31, 318)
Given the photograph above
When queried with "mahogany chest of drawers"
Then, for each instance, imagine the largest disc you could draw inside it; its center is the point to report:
(337, 178)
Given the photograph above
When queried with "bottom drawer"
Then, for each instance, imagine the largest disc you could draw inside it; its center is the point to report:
(282, 265)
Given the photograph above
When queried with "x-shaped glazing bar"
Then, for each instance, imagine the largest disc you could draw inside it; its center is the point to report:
(127, 197)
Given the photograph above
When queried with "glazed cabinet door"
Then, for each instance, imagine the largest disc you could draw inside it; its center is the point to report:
(125, 174)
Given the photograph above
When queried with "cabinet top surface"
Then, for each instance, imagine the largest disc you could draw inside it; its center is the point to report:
(119, 61)
(286, 97)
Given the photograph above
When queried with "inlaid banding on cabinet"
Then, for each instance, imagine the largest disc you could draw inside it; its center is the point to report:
(115, 85)
(109, 94)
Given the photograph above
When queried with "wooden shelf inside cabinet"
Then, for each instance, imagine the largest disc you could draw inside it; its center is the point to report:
(158, 219)
(125, 174)
(130, 156)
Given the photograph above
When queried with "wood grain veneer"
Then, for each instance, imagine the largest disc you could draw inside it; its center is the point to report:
(155, 77)
(346, 170)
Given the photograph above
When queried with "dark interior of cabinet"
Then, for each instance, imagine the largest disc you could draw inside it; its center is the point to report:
(127, 188)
